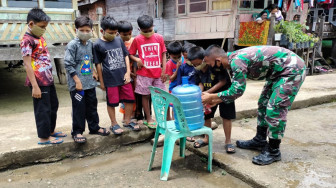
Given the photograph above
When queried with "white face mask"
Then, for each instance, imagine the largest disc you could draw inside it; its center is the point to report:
(84, 36)
(201, 66)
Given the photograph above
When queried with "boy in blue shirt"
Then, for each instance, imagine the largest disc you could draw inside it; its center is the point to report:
(186, 69)
(176, 59)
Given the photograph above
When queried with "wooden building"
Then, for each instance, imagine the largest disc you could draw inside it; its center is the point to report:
(13, 25)
(191, 19)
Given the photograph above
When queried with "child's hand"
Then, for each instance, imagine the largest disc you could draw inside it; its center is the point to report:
(163, 77)
(79, 86)
(95, 75)
(127, 78)
(139, 63)
(36, 92)
(133, 75)
(178, 64)
(102, 86)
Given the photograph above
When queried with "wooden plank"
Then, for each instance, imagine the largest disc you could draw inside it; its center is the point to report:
(5, 33)
(213, 24)
(207, 24)
(71, 30)
(15, 31)
(62, 26)
(50, 33)
(177, 26)
(57, 32)
(198, 25)
(23, 31)
(197, 36)
(219, 24)
(226, 23)
(192, 26)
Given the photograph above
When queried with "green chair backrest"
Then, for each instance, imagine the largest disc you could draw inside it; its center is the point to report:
(161, 100)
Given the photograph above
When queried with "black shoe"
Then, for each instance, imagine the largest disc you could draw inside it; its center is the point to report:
(257, 143)
(270, 154)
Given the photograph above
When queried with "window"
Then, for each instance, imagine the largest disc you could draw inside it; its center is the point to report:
(22, 3)
(181, 7)
(220, 4)
(255, 4)
(58, 4)
(191, 6)
(197, 6)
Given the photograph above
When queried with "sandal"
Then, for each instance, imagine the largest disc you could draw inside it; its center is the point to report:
(230, 146)
(190, 139)
(79, 140)
(150, 125)
(59, 134)
(131, 126)
(114, 128)
(200, 143)
(105, 133)
(55, 141)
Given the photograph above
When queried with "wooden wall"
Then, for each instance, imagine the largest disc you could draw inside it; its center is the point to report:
(212, 25)
(130, 10)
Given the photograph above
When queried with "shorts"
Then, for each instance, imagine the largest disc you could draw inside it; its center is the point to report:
(226, 111)
(123, 93)
(143, 83)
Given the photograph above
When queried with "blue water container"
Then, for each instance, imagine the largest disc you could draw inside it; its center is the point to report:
(190, 97)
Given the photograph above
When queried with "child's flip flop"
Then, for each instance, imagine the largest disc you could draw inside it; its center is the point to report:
(59, 134)
(79, 140)
(200, 143)
(50, 142)
(114, 128)
(104, 133)
(150, 125)
(131, 126)
(230, 146)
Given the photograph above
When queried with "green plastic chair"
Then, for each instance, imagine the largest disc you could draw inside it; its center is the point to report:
(161, 100)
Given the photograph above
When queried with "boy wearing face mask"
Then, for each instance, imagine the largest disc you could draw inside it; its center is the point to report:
(113, 66)
(176, 59)
(82, 82)
(151, 63)
(38, 66)
(125, 29)
(187, 68)
(213, 80)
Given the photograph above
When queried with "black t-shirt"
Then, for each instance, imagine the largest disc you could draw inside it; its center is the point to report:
(212, 76)
(112, 56)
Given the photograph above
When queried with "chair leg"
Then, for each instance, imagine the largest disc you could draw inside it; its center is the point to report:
(210, 153)
(156, 137)
(168, 150)
(182, 146)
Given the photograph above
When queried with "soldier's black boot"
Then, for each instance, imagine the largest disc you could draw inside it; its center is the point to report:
(257, 143)
(270, 154)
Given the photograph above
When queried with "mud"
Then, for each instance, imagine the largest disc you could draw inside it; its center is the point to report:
(124, 168)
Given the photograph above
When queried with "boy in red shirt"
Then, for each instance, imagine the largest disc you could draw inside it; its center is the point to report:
(38, 66)
(151, 63)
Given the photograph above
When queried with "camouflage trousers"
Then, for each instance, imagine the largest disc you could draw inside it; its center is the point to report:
(275, 101)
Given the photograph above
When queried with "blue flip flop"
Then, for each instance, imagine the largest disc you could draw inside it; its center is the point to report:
(131, 126)
(58, 134)
(50, 142)
(114, 128)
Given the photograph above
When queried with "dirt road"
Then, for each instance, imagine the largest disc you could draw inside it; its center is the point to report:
(124, 168)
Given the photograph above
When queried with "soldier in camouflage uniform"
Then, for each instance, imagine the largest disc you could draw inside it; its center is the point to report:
(284, 72)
